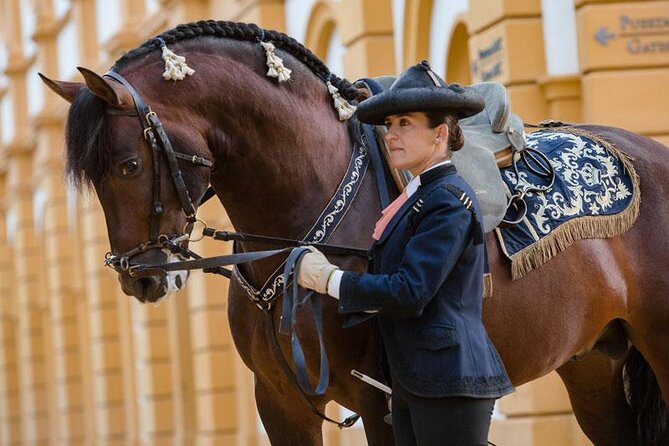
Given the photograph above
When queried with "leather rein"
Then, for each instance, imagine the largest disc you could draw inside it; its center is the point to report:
(327, 222)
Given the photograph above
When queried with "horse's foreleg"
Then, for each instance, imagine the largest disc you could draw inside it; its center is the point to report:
(286, 418)
(596, 392)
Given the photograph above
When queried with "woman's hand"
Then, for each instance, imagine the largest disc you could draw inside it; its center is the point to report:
(315, 271)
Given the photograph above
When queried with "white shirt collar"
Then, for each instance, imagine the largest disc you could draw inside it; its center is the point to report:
(412, 187)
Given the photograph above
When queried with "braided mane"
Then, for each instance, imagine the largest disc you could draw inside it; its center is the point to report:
(245, 32)
(87, 137)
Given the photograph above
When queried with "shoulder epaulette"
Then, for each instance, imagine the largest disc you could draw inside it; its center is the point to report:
(417, 205)
(477, 231)
(461, 195)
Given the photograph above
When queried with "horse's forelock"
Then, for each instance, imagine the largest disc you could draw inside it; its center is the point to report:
(87, 141)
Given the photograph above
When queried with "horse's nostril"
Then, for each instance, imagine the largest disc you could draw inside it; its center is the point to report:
(178, 282)
(146, 286)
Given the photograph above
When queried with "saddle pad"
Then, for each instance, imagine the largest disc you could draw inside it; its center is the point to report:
(595, 195)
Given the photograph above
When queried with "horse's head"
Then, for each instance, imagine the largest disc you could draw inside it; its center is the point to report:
(149, 184)
(279, 146)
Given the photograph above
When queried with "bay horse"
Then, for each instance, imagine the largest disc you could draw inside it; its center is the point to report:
(279, 152)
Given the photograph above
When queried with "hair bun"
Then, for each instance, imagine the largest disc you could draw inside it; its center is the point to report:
(455, 137)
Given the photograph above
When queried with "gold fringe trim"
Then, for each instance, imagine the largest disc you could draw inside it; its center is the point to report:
(602, 226)
(487, 286)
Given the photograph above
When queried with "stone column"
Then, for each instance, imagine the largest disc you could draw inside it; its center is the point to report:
(538, 413)
(217, 389)
(563, 95)
(562, 84)
(27, 263)
(109, 362)
(154, 363)
(507, 46)
(625, 64)
(34, 408)
(59, 253)
(111, 352)
(10, 403)
(366, 29)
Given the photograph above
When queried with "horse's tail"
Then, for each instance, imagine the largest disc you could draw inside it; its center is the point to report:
(645, 399)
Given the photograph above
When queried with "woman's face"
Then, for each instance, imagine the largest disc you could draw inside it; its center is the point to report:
(412, 144)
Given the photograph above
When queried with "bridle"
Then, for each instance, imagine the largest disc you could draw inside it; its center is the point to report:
(155, 136)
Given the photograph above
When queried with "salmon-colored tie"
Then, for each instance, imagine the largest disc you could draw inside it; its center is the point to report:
(388, 213)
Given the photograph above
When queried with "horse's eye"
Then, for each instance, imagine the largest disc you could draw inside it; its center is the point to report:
(130, 167)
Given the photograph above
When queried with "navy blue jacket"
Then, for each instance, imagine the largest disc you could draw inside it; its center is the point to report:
(427, 286)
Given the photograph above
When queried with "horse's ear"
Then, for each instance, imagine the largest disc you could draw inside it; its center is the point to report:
(64, 89)
(112, 95)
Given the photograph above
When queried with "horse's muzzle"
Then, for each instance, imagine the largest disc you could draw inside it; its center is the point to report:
(145, 289)
(152, 287)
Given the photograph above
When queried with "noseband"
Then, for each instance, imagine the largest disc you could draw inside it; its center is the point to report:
(155, 136)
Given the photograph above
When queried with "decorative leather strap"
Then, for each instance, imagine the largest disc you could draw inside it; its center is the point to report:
(321, 231)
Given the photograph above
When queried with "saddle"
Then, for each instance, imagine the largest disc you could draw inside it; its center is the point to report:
(489, 136)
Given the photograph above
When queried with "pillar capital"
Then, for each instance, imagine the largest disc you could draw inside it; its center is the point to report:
(563, 96)
(17, 148)
(560, 87)
(47, 28)
(50, 118)
(17, 64)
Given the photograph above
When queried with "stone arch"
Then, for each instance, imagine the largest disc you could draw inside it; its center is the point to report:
(321, 25)
(457, 56)
(417, 23)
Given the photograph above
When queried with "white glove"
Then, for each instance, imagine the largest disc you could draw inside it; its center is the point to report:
(315, 271)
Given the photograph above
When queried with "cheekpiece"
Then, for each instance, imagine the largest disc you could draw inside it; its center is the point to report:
(419, 89)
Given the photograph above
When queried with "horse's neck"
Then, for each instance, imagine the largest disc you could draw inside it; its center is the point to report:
(283, 158)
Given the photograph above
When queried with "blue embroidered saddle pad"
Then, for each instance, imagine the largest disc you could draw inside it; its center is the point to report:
(595, 195)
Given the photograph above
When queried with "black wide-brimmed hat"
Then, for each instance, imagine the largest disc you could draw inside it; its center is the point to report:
(419, 89)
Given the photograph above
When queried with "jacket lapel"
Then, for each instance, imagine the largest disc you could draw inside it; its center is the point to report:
(426, 184)
(398, 216)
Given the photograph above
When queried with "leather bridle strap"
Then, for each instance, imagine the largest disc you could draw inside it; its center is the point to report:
(154, 132)
(227, 236)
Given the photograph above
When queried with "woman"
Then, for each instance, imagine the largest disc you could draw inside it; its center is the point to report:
(427, 276)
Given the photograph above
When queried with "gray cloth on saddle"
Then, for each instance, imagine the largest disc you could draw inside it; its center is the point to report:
(476, 164)
(496, 127)
(486, 133)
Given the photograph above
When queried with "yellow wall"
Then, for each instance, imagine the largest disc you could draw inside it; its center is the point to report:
(82, 364)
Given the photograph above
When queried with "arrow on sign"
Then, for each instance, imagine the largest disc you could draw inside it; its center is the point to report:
(603, 36)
